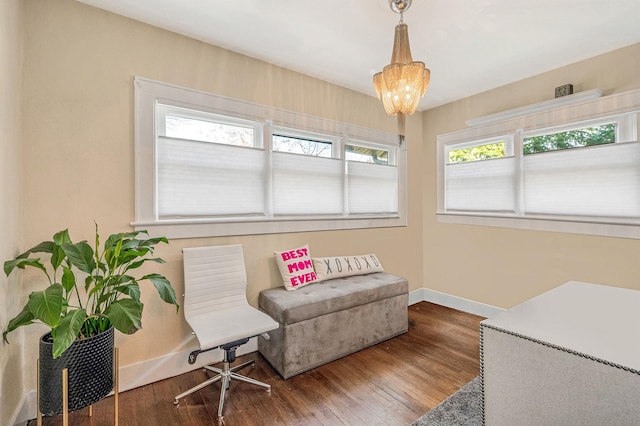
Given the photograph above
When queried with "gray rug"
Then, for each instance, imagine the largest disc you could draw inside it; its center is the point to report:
(463, 408)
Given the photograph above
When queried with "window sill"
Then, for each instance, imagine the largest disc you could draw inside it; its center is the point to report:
(603, 227)
(175, 229)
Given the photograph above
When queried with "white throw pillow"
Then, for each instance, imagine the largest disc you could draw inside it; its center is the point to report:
(327, 268)
(296, 267)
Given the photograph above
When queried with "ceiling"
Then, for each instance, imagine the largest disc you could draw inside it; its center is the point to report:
(470, 45)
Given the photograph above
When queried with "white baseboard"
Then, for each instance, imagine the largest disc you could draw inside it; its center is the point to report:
(143, 373)
(454, 302)
(153, 370)
(416, 296)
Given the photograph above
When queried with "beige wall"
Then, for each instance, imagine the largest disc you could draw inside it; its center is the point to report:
(503, 267)
(79, 148)
(12, 385)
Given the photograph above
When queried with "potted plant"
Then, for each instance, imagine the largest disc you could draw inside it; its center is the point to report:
(90, 291)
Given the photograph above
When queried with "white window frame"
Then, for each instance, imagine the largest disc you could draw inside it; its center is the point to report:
(622, 108)
(149, 92)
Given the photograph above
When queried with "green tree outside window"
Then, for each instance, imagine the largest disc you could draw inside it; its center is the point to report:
(588, 136)
(475, 153)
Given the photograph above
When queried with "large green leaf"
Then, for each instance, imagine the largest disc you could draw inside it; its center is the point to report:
(57, 257)
(20, 263)
(62, 237)
(118, 280)
(165, 290)
(81, 256)
(125, 315)
(139, 263)
(47, 305)
(23, 318)
(133, 234)
(113, 240)
(122, 248)
(68, 279)
(128, 244)
(132, 254)
(67, 331)
(57, 254)
(131, 289)
(154, 241)
(43, 247)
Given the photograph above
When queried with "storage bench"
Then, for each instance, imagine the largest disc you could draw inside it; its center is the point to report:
(325, 321)
(570, 356)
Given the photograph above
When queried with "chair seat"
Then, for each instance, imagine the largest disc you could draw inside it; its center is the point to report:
(219, 327)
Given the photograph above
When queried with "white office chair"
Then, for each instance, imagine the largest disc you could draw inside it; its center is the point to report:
(216, 308)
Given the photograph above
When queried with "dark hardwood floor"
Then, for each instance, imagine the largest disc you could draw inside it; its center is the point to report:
(392, 383)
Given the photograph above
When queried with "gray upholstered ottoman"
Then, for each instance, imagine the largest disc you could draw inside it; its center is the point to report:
(570, 356)
(325, 321)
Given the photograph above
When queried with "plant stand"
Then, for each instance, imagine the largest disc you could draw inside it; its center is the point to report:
(65, 393)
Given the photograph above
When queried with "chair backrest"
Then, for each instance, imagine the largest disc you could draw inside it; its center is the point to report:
(214, 279)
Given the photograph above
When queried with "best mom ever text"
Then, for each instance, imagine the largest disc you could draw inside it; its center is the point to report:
(294, 265)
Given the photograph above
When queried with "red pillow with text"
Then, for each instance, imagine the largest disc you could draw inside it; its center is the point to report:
(296, 267)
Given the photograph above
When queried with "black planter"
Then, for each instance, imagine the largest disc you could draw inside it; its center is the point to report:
(90, 368)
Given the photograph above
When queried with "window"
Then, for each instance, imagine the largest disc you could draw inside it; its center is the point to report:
(480, 175)
(284, 141)
(573, 169)
(197, 155)
(307, 175)
(368, 154)
(182, 123)
(583, 169)
(208, 165)
(582, 136)
(371, 170)
(485, 151)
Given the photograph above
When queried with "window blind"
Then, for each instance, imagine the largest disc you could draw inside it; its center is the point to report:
(208, 179)
(487, 185)
(373, 188)
(600, 180)
(305, 184)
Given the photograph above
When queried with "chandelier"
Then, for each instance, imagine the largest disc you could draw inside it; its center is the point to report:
(402, 83)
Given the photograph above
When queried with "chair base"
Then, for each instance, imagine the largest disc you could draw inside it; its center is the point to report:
(224, 375)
